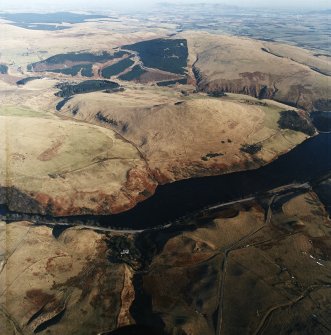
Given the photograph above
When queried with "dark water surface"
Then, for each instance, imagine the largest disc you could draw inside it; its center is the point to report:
(322, 121)
(308, 161)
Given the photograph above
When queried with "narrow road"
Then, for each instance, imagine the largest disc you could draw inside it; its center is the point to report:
(227, 251)
(274, 192)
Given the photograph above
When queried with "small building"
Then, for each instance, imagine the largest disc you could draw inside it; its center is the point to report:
(125, 252)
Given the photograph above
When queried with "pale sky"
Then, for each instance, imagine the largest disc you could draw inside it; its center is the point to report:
(140, 4)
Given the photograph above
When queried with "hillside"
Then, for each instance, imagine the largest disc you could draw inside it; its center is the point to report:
(261, 69)
(68, 168)
(185, 136)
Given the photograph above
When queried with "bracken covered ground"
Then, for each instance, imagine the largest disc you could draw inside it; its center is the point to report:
(256, 268)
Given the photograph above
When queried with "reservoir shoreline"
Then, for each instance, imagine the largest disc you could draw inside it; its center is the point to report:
(307, 162)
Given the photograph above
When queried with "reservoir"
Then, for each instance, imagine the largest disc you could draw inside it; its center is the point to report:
(308, 161)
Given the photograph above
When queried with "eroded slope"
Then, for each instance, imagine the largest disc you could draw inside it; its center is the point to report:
(261, 69)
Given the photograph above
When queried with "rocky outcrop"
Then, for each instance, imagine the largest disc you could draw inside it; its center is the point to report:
(264, 86)
(258, 85)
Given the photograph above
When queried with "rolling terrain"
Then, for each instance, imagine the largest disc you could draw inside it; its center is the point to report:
(65, 168)
(250, 267)
(178, 131)
(160, 176)
(191, 136)
(261, 69)
(70, 167)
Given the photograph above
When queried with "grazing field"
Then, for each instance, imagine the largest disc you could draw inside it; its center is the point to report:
(64, 167)
(7, 110)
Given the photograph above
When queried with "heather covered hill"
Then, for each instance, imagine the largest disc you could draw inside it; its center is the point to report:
(193, 135)
(68, 168)
(261, 69)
